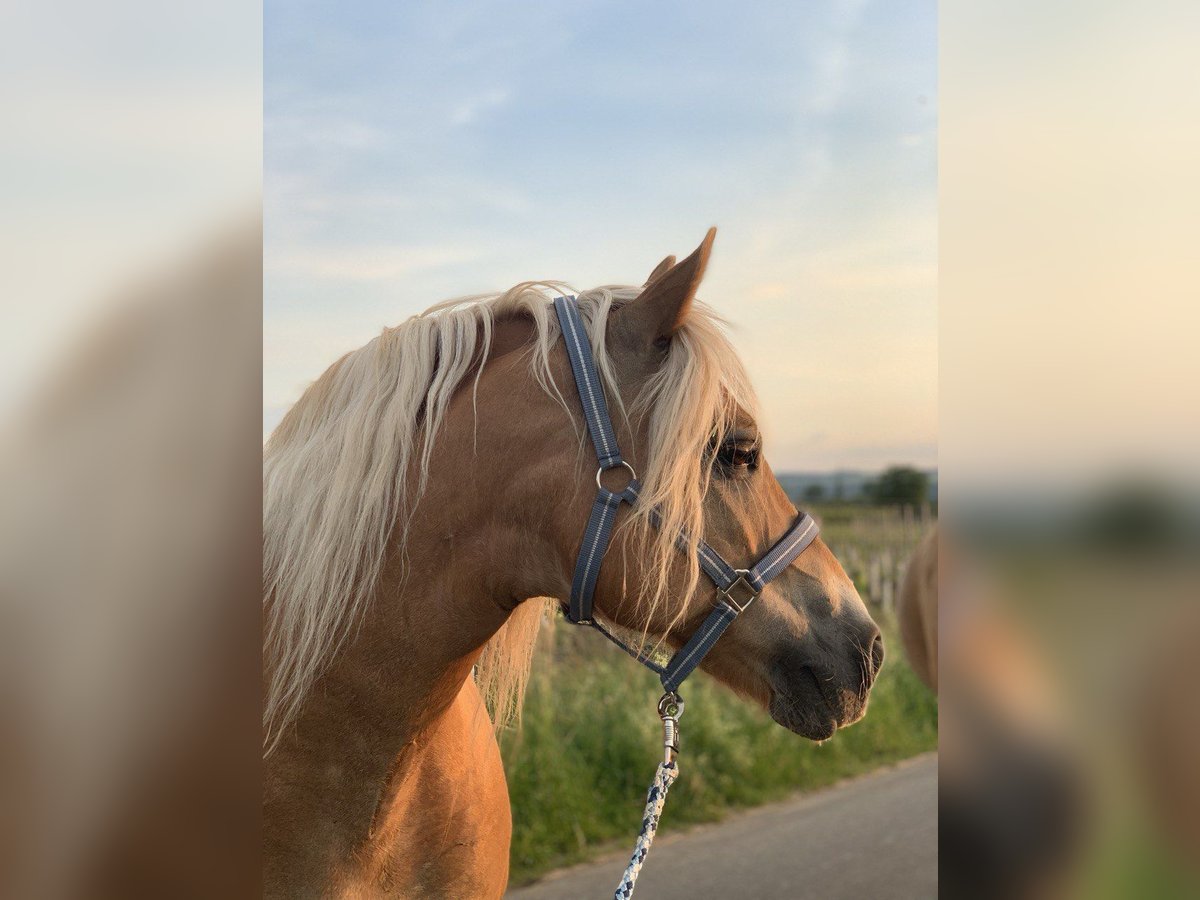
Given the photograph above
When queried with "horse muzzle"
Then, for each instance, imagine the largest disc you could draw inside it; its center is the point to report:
(815, 700)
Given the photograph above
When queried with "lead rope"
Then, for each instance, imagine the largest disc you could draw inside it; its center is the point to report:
(670, 710)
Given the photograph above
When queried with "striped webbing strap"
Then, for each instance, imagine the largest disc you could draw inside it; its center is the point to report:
(598, 534)
(736, 588)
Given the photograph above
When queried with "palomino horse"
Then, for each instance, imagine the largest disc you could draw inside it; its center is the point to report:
(418, 499)
(917, 611)
(1011, 798)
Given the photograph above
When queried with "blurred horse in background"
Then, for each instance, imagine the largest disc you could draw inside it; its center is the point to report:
(917, 610)
(1010, 806)
(1165, 720)
(423, 495)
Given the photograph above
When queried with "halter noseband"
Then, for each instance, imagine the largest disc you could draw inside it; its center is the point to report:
(736, 588)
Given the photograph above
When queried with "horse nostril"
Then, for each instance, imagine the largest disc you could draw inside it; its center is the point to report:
(876, 654)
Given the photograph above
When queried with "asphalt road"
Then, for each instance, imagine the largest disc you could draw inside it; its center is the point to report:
(873, 838)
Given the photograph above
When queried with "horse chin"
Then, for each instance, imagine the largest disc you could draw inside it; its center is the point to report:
(806, 716)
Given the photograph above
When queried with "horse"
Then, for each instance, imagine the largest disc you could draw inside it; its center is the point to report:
(1166, 734)
(424, 503)
(917, 611)
(1012, 799)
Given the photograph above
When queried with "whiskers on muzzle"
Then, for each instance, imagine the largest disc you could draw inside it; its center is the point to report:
(870, 662)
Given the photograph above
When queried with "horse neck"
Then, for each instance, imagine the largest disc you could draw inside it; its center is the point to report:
(380, 711)
(479, 542)
(368, 722)
(403, 666)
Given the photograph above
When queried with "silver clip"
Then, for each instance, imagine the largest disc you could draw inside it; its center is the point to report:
(670, 710)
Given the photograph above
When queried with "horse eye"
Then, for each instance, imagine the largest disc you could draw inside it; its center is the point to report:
(737, 457)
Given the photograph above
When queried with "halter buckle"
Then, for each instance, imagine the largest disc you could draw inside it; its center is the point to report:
(741, 593)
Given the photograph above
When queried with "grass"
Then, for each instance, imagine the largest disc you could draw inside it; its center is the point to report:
(579, 765)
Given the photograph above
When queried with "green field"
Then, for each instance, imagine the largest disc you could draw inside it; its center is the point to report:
(580, 762)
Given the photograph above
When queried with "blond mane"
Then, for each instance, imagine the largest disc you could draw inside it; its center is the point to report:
(336, 483)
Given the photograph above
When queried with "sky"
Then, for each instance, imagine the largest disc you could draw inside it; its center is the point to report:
(420, 151)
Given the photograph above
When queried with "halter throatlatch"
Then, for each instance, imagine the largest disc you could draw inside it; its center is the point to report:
(736, 588)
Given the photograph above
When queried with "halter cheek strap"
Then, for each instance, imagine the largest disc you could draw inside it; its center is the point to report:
(598, 534)
(736, 588)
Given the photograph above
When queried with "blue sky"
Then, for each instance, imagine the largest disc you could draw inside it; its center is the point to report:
(417, 151)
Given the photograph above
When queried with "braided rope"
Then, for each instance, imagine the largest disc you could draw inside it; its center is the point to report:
(655, 798)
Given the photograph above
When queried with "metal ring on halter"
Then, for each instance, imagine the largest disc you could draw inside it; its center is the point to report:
(600, 471)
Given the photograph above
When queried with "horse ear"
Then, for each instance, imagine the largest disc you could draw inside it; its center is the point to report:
(663, 306)
(660, 269)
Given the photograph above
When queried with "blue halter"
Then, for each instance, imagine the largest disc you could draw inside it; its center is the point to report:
(736, 588)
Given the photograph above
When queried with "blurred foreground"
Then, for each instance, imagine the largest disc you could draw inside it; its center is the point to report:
(129, 597)
(1070, 731)
(130, 439)
(1069, 448)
